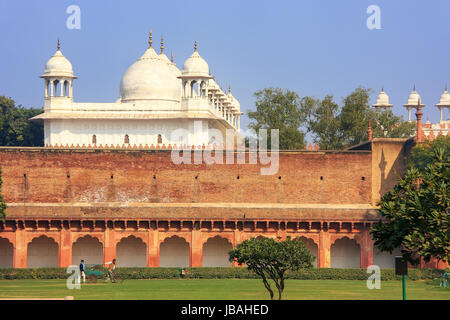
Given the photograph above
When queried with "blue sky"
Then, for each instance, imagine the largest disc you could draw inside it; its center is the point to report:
(312, 47)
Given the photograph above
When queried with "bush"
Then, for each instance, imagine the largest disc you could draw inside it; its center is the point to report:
(223, 273)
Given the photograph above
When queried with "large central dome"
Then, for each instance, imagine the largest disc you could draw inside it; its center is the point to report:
(150, 79)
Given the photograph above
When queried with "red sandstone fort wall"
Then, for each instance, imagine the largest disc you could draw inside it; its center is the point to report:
(58, 175)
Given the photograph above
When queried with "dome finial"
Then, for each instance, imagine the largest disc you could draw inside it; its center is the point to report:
(414, 89)
(229, 88)
(58, 45)
(150, 39)
(171, 57)
(195, 45)
(382, 88)
(162, 44)
(446, 89)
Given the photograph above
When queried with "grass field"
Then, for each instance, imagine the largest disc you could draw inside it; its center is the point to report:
(229, 289)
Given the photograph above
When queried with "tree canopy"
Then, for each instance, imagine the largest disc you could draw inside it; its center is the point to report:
(279, 109)
(416, 213)
(270, 259)
(15, 128)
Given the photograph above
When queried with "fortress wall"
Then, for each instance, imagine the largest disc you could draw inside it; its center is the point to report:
(43, 175)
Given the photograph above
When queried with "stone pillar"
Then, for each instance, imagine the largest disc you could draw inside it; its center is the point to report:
(236, 240)
(366, 249)
(20, 249)
(65, 248)
(153, 248)
(46, 88)
(71, 88)
(324, 250)
(61, 88)
(52, 88)
(196, 248)
(109, 247)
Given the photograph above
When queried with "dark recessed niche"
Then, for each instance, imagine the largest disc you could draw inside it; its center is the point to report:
(68, 176)
(238, 177)
(196, 177)
(363, 178)
(24, 175)
(112, 177)
(154, 176)
(321, 178)
(279, 177)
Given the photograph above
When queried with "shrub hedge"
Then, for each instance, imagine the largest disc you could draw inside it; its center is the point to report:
(223, 273)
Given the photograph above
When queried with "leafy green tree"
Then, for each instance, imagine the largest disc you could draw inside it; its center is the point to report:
(2, 201)
(279, 109)
(323, 121)
(15, 128)
(355, 115)
(416, 214)
(270, 259)
(387, 125)
(422, 154)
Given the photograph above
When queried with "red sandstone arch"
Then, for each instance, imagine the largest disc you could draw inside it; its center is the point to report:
(97, 235)
(6, 253)
(131, 251)
(42, 251)
(88, 248)
(32, 236)
(215, 252)
(345, 252)
(174, 251)
(123, 235)
(227, 236)
(312, 246)
(166, 235)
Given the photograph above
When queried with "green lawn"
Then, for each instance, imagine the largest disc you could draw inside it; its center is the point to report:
(229, 289)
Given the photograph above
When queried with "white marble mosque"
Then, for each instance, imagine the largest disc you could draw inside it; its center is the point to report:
(156, 98)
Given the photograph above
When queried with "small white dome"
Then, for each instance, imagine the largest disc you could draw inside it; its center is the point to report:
(413, 98)
(195, 65)
(383, 100)
(58, 65)
(150, 78)
(445, 98)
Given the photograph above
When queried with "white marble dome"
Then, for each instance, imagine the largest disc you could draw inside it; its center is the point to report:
(150, 78)
(445, 98)
(413, 98)
(58, 66)
(195, 65)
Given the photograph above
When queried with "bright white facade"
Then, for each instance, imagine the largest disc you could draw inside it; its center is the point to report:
(156, 100)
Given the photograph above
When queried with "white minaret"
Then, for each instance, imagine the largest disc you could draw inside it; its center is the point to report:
(413, 102)
(58, 79)
(444, 103)
(382, 101)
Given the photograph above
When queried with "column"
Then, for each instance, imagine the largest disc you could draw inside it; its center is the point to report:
(324, 250)
(52, 88)
(65, 248)
(20, 249)
(71, 88)
(46, 82)
(441, 118)
(61, 88)
(366, 249)
(196, 248)
(109, 247)
(153, 248)
(236, 240)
